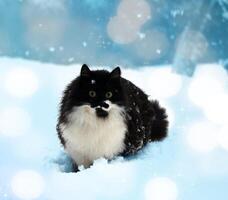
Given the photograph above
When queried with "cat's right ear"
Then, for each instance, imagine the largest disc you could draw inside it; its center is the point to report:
(116, 73)
(85, 71)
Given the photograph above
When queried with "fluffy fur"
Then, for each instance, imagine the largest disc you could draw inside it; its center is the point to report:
(89, 138)
(105, 115)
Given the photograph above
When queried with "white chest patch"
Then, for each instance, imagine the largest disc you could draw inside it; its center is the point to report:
(89, 137)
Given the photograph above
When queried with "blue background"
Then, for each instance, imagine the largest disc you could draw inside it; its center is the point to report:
(80, 22)
(60, 35)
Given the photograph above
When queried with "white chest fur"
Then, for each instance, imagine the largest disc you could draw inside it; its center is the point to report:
(89, 137)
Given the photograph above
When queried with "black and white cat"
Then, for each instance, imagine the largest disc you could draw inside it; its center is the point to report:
(105, 115)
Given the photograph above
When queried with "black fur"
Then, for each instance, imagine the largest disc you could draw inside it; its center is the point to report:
(146, 120)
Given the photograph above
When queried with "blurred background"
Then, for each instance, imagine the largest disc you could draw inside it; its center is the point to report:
(176, 51)
(130, 33)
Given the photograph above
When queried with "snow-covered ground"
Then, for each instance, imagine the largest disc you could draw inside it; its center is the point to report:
(192, 163)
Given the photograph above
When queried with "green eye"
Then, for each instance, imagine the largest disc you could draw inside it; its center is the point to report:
(108, 95)
(92, 93)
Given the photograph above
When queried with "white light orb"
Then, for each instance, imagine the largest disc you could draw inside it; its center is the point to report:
(121, 31)
(162, 83)
(216, 109)
(214, 71)
(201, 137)
(131, 15)
(135, 11)
(204, 88)
(209, 81)
(14, 121)
(21, 82)
(209, 90)
(27, 184)
(161, 188)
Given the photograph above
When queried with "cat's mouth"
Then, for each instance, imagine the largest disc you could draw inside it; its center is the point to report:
(101, 109)
(101, 113)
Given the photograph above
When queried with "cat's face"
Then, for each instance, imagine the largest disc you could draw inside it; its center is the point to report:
(99, 91)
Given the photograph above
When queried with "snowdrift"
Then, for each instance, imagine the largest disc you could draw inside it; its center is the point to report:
(192, 163)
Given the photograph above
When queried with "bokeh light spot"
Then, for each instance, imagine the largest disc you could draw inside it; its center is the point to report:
(27, 184)
(163, 83)
(21, 82)
(208, 90)
(201, 136)
(14, 121)
(135, 11)
(223, 137)
(161, 188)
(124, 28)
(120, 31)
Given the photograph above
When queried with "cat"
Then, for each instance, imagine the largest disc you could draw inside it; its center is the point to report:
(105, 115)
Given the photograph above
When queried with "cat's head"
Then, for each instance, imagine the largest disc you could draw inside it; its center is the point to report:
(99, 90)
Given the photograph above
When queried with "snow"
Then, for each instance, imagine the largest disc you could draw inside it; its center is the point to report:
(161, 188)
(21, 82)
(27, 184)
(209, 91)
(169, 83)
(14, 121)
(201, 136)
(223, 137)
(192, 163)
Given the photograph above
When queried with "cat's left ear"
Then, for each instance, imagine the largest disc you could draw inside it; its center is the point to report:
(116, 73)
(85, 71)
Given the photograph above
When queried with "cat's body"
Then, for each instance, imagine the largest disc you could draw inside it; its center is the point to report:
(105, 115)
(95, 139)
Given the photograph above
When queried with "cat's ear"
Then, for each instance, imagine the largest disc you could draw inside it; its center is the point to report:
(85, 71)
(116, 73)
